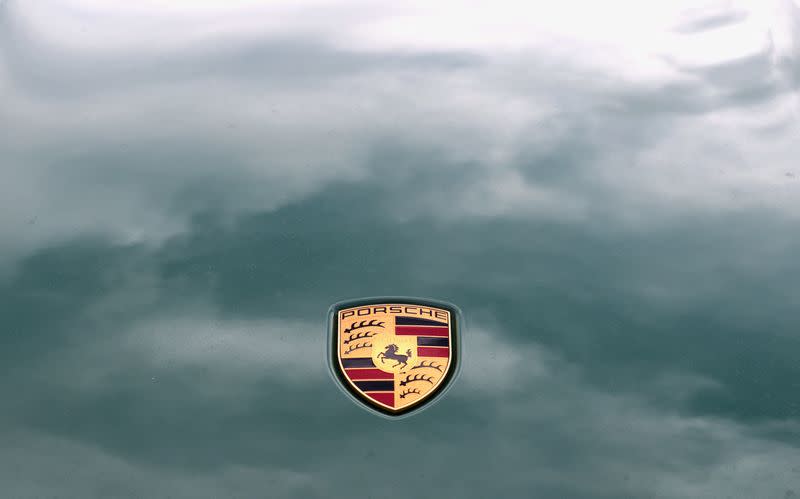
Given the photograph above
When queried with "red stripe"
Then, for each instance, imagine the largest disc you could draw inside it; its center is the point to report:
(433, 351)
(383, 397)
(422, 330)
(368, 374)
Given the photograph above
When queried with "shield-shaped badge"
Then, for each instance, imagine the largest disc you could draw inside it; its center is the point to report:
(394, 355)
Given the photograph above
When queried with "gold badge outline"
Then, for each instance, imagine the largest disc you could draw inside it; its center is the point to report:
(336, 368)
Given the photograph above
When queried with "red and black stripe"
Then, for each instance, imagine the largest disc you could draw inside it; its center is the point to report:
(354, 362)
(416, 321)
(433, 352)
(414, 326)
(425, 341)
(433, 337)
(376, 384)
(355, 374)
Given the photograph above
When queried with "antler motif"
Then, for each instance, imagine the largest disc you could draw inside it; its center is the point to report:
(432, 365)
(363, 324)
(359, 336)
(416, 377)
(357, 346)
(409, 392)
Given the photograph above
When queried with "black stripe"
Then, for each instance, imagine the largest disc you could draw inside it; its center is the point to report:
(357, 362)
(375, 386)
(416, 321)
(432, 342)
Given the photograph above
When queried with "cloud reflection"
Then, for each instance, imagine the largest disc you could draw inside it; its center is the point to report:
(609, 191)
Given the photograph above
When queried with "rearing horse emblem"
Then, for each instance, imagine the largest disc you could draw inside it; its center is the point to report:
(394, 356)
(391, 353)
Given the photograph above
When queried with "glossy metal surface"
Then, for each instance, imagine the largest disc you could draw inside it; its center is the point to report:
(610, 191)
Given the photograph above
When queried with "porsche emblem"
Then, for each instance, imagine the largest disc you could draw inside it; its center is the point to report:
(394, 355)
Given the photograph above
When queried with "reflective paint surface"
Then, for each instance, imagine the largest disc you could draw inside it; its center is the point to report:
(609, 191)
